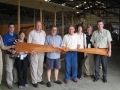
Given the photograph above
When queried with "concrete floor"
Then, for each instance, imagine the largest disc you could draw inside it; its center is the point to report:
(84, 84)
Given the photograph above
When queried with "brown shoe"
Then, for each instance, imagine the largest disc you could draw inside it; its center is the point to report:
(10, 86)
(85, 75)
(35, 85)
(75, 80)
(92, 76)
(66, 81)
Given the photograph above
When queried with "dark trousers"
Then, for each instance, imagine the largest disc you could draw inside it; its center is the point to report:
(70, 63)
(21, 66)
(80, 58)
(103, 60)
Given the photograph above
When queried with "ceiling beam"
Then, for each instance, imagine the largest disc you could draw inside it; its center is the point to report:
(48, 6)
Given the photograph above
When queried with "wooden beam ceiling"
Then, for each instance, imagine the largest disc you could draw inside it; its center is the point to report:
(48, 6)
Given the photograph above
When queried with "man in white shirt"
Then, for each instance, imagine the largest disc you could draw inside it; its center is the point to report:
(37, 36)
(71, 41)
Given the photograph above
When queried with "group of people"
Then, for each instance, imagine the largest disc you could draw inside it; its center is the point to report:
(16, 68)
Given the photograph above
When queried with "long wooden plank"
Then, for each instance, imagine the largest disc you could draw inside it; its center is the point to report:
(29, 47)
(94, 51)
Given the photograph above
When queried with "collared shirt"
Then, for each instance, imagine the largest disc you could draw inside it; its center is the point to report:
(36, 37)
(101, 39)
(71, 41)
(82, 40)
(56, 40)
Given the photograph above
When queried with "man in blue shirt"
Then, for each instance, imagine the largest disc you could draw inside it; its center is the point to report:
(53, 58)
(8, 40)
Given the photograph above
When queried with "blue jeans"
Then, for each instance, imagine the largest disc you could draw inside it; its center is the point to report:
(70, 62)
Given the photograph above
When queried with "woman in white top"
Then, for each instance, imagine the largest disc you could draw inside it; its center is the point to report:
(82, 42)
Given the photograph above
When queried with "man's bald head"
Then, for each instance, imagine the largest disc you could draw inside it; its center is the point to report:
(38, 25)
(71, 29)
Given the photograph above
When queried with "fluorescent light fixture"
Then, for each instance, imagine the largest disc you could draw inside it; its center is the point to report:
(77, 6)
(98, 2)
(102, 3)
(47, 0)
(63, 4)
(90, 5)
(103, 7)
(80, 5)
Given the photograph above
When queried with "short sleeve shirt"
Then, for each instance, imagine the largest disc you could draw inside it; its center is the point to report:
(37, 37)
(56, 40)
(101, 39)
(71, 41)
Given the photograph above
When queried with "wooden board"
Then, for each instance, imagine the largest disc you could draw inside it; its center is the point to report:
(29, 47)
(94, 51)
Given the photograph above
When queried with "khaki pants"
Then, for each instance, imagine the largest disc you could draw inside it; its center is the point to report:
(36, 67)
(89, 65)
(1, 66)
(11, 72)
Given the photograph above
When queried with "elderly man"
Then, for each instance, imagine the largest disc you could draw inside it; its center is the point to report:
(53, 58)
(8, 40)
(37, 36)
(71, 40)
(101, 38)
(89, 62)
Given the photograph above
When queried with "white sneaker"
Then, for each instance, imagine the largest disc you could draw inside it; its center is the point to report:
(26, 85)
(20, 87)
